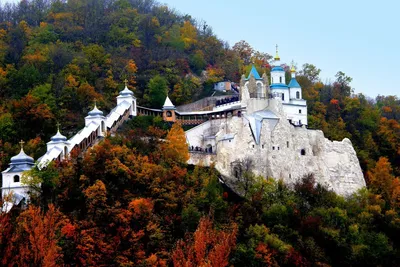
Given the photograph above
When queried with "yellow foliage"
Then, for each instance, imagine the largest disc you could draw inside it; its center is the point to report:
(175, 148)
(188, 34)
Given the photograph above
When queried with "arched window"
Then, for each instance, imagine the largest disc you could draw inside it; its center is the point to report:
(16, 178)
(297, 94)
(283, 97)
(280, 79)
(303, 152)
(169, 114)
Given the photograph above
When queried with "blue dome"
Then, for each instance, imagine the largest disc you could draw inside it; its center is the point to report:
(294, 84)
(58, 137)
(21, 158)
(126, 92)
(95, 111)
(277, 68)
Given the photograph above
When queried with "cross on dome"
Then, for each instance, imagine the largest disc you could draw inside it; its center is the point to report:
(22, 144)
(277, 58)
(126, 82)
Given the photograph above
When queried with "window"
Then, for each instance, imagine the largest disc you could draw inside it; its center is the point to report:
(297, 94)
(278, 147)
(287, 143)
(16, 178)
(300, 122)
(283, 96)
(303, 152)
(280, 79)
(253, 146)
(273, 148)
(169, 114)
(299, 111)
(262, 146)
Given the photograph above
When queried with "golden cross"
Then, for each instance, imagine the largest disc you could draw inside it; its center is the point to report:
(126, 82)
(95, 102)
(22, 144)
(58, 126)
(276, 48)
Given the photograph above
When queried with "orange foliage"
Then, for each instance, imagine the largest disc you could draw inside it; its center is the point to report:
(265, 254)
(37, 237)
(175, 148)
(208, 248)
(381, 178)
(142, 207)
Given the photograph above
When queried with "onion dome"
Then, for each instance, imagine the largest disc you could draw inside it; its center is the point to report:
(21, 158)
(126, 91)
(58, 137)
(277, 68)
(292, 69)
(95, 111)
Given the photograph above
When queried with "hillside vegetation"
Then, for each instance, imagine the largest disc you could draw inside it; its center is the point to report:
(133, 201)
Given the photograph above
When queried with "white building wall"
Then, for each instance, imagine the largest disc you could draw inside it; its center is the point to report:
(10, 186)
(293, 113)
(285, 92)
(293, 93)
(276, 75)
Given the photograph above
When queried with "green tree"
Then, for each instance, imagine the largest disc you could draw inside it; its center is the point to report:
(157, 91)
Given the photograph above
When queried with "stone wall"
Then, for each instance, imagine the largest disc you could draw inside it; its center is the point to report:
(286, 152)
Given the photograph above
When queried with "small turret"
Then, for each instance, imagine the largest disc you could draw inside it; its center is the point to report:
(11, 182)
(169, 110)
(128, 96)
(96, 116)
(60, 143)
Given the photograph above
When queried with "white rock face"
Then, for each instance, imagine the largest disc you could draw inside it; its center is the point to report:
(283, 152)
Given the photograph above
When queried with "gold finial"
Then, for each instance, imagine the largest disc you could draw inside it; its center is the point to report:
(126, 82)
(292, 70)
(95, 102)
(276, 55)
(22, 144)
(58, 126)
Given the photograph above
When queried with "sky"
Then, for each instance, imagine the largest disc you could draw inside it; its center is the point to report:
(360, 38)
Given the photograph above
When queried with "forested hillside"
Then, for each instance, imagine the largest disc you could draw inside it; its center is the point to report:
(132, 200)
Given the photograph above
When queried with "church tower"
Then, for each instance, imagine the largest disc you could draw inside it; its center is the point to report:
(279, 89)
(127, 95)
(59, 143)
(12, 178)
(96, 116)
(169, 111)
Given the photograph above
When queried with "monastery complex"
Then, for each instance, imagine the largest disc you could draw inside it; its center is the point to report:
(262, 129)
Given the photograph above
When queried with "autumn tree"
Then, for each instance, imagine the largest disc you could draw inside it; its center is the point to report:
(209, 246)
(175, 148)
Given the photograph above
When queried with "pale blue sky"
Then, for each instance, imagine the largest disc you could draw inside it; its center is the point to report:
(360, 38)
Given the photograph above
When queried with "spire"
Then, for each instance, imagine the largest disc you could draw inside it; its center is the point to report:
(168, 104)
(22, 144)
(293, 70)
(277, 58)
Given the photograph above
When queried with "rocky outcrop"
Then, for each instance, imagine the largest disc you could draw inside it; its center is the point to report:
(286, 152)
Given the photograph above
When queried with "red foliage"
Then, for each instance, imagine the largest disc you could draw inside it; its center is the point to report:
(208, 248)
